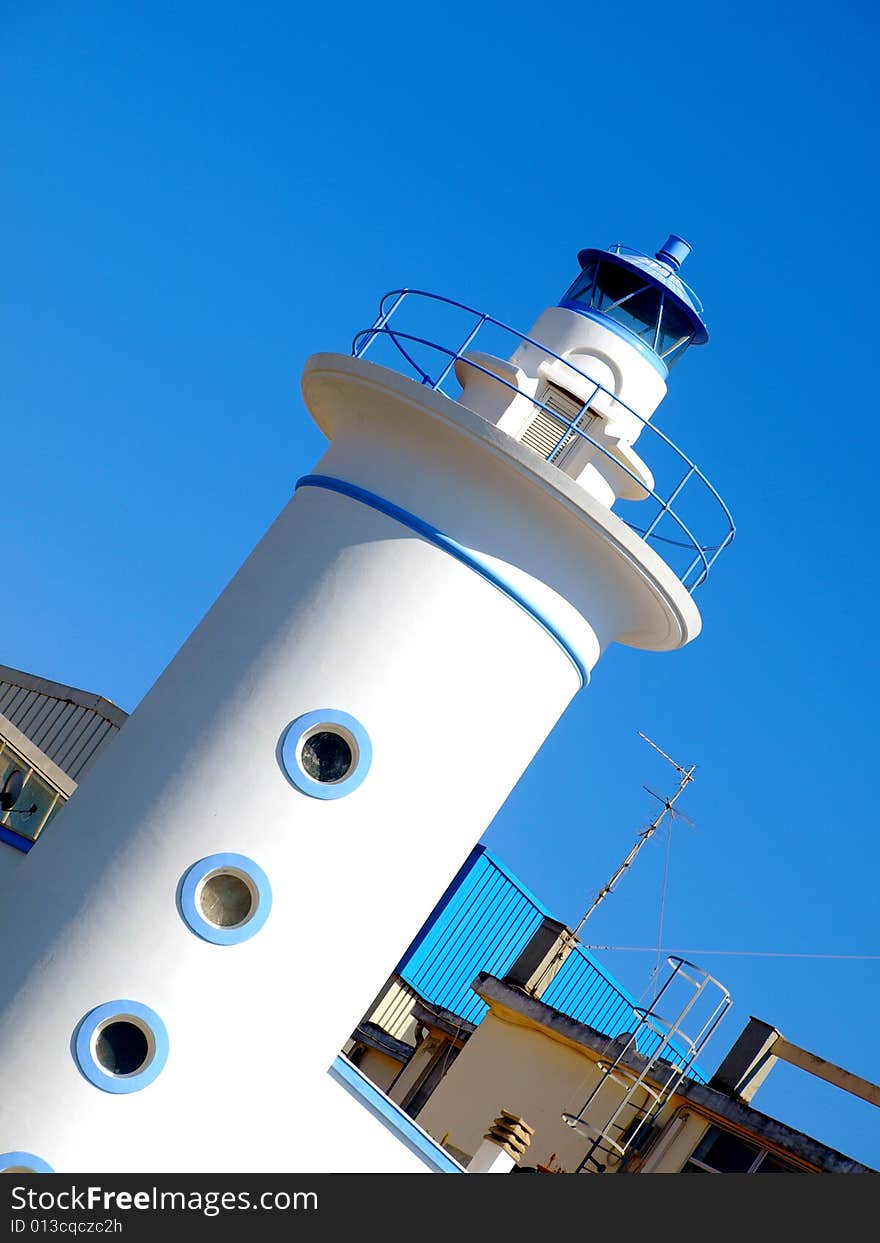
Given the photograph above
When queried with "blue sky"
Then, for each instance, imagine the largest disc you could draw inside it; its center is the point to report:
(197, 197)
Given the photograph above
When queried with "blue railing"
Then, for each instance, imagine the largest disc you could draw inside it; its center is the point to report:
(582, 990)
(482, 924)
(691, 492)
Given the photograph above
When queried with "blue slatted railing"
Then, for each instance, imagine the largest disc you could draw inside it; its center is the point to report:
(482, 923)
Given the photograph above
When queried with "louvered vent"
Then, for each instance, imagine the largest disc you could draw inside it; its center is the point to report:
(544, 433)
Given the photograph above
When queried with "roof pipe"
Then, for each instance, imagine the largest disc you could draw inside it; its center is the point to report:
(673, 252)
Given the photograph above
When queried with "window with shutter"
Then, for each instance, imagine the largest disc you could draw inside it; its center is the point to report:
(547, 434)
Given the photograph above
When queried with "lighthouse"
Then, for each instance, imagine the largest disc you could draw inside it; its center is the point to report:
(243, 865)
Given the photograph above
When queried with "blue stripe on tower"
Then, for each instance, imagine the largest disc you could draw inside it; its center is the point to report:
(466, 556)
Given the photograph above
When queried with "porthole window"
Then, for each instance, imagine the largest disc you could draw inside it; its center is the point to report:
(326, 754)
(121, 1046)
(23, 1163)
(225, 898)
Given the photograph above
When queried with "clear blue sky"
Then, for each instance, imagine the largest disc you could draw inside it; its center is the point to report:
(197, 197)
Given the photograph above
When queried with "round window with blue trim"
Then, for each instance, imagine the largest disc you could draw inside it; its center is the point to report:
(326, 754)
(225, 898)
(121, 1046)
(23, 1163)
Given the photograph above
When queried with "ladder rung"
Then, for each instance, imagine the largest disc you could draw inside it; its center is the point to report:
(630, 1080)
(700, 984)
(669, 1032)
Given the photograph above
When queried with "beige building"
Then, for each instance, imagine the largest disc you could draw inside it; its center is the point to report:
(538, 1064)
(497, 1012)
(487, 921)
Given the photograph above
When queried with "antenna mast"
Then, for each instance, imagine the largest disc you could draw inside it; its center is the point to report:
(686, 776)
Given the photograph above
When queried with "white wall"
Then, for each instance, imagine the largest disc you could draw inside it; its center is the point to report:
(338, 607)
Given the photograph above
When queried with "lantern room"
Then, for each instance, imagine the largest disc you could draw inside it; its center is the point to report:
(643, 299)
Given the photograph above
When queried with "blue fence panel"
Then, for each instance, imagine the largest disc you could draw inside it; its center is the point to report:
(585, 992)
(483, 922)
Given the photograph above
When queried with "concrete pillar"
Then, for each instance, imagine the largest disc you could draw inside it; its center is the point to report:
(749, 1061)
(503, 1145)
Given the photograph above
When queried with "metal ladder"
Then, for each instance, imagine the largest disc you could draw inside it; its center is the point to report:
(654, 1077)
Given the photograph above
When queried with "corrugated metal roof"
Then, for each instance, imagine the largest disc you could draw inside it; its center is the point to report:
(585, 991)
(70, 726)
(482, 923)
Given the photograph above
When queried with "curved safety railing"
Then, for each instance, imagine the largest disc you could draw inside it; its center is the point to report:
(681, 501)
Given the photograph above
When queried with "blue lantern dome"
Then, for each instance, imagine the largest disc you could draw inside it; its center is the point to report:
(642, 298)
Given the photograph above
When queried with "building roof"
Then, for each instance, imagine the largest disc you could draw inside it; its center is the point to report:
(482, 923)
(70, 726)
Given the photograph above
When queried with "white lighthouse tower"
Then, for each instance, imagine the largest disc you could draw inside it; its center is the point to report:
(187, 949)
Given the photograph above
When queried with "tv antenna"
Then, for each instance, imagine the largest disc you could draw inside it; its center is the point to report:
(667, 808)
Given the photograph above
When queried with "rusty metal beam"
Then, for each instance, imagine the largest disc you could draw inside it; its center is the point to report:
(836, 1075)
